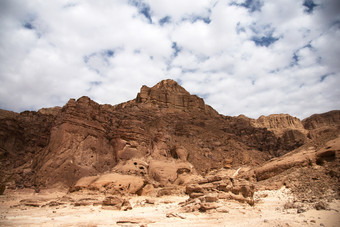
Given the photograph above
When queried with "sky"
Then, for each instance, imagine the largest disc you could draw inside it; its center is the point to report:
(251, 57)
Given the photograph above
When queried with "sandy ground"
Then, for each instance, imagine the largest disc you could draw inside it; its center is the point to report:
(269, 210)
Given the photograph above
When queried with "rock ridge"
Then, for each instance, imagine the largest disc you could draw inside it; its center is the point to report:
(166, 131)
(169, 94)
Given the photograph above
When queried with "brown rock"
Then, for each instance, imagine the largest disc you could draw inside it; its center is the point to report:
(193, 188)
(243, 187)
(292, 139)
(315, 121)
(210, 179)
(208, 206)
(209, 198)
(114, 183)
(2, 189)
(168, 94)
(83, 183)
(194, 195)
(163, 171)
(133, 166)
(169, 190)
(279, 123)
(148, 189)
(150, 201)
(117, 203)
(321, 205)
(167, 171)
(126, 206)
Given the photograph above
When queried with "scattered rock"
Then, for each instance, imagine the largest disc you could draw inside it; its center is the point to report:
(32, 203)
(210, 198)
(175, 215)
(222, 210)
(321, 205)
(2, 188)
(117, 203)
(54, 203)
(208, 206)
(150, 201)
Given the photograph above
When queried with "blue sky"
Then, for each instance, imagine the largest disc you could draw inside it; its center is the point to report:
(252, 57)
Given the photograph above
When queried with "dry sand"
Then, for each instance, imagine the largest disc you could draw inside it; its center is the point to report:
(269, 210)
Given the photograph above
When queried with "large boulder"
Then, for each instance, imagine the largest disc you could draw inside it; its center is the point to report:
(116, 203)
(133, 166)
(114, 183)
(166, 172)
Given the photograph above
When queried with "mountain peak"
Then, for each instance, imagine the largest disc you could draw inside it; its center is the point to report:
(169, 94)
(170, 86)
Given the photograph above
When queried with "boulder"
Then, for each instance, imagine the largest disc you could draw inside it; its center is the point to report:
(133, 166)
(210, 198)
(208, 206)
(148, 189)
(117, 203)
(113, 182)
(167, 171)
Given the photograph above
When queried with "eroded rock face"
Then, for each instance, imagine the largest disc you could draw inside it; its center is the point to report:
(306, 157)
(78, 145)
(22, 138)
(315, 121)
(292, 139)
(323, 127)
(170, 94)
(279, 123)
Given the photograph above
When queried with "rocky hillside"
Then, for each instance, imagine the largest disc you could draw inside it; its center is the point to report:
(162, 133)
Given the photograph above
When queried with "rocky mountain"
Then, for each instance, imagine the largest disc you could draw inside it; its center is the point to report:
(161, 134)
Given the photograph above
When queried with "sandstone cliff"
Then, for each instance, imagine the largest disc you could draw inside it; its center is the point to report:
(323, 127)
(289, 130)
(279, 123)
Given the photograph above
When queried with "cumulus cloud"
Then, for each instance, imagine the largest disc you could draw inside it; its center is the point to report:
(247, 57)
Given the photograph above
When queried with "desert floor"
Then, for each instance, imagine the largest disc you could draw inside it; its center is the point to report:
(51, 208)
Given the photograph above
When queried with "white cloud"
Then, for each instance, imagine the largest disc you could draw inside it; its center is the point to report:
(240, 60)
(179, 9)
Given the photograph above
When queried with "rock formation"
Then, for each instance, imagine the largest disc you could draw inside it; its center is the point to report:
(279, 123)
(158, 143)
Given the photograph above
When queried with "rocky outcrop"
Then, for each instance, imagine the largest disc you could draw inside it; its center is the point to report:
(169, 94)
(305, 157)
(288, 130)
(78, 145)
(291, 139)
(206, 193)
(22, 138)
(323, 127)
(279, 123)
(8, 114)
(328, 119)
(50, 111)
